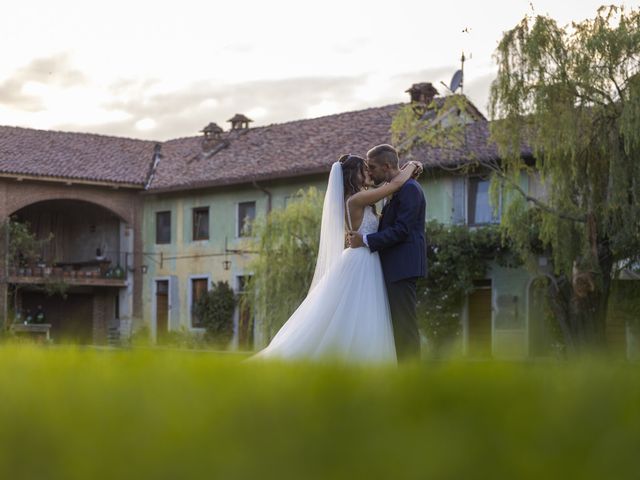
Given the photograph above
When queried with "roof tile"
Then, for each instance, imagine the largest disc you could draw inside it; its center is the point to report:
(79, 156)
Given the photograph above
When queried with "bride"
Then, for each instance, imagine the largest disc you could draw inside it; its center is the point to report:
(345, 315)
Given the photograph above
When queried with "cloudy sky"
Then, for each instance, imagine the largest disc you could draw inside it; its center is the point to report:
(160, 70)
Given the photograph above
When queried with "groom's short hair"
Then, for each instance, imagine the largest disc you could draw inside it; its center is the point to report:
(384, 154)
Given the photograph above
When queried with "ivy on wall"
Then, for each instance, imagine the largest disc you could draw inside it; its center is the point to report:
(456, 255)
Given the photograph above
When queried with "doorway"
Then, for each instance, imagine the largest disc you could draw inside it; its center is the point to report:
(479, 325)
(162, 309)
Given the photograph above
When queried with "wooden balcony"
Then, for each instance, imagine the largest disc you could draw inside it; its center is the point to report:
(95, 273)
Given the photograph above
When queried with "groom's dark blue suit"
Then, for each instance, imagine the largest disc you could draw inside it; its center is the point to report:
(402, 246)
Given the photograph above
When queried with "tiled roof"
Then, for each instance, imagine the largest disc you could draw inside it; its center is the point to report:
(298, 148)
(78, 156)
(284, 150)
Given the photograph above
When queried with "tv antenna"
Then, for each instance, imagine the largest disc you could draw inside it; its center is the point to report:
(457, 81)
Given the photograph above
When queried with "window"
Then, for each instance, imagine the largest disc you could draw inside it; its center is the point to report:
(201, 223)
(246, 215)
(199, 288)
(479, 210)
(458, 210)
(163, 227)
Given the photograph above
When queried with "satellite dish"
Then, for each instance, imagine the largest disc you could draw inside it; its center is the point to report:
(456, 81)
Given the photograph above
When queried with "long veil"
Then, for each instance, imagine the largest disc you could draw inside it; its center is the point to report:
(332, 226)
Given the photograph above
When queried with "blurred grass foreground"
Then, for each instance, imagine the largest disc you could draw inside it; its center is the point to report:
(90, 414)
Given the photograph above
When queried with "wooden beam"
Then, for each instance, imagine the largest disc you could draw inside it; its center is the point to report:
(68, 182)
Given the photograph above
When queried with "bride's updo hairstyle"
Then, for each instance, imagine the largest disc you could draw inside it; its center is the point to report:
(353, 173)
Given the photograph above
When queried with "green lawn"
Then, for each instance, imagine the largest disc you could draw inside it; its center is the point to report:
(87, 414)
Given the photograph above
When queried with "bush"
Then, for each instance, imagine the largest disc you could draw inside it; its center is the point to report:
(183, 339)
(624, 303)
(215, 311)
(141, 336)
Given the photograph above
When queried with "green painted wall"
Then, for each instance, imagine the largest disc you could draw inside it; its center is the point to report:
(205, 258)
(184, 258)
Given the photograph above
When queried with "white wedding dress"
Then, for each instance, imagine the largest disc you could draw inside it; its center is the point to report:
(345, 315)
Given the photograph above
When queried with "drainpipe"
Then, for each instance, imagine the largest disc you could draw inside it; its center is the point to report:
(266, 192)
(4, 322)
(155, 160)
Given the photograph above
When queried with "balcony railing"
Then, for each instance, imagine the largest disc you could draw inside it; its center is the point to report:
(94, 272)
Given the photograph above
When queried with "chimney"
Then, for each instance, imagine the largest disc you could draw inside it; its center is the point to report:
(212, 136)
(423, 93)
(239, 122)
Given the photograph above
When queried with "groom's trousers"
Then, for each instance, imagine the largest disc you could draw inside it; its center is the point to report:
(402, 301)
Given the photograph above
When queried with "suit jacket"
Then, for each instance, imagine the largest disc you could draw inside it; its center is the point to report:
(400, 239)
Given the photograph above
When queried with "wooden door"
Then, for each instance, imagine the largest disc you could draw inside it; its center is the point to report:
(245, 319)
(199, 288)
(162, 308)
(479, 325)
(245, 328)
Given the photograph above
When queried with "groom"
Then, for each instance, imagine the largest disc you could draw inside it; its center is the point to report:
(403, 250)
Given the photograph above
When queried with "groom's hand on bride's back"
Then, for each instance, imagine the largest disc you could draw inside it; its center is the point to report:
(354, 240)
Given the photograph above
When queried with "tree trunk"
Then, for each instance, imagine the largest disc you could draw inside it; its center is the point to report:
(580, 306)
(590, 300)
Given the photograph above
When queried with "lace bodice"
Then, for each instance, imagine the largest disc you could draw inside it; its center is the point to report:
(369, 221)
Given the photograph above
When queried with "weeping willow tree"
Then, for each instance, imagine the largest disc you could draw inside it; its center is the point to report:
(287, 246)
(573, 95)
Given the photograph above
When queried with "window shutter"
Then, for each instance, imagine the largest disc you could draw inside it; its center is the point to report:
(457, 210)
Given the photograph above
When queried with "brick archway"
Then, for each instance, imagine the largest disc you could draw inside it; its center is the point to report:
(119, 206)
(124, 203)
